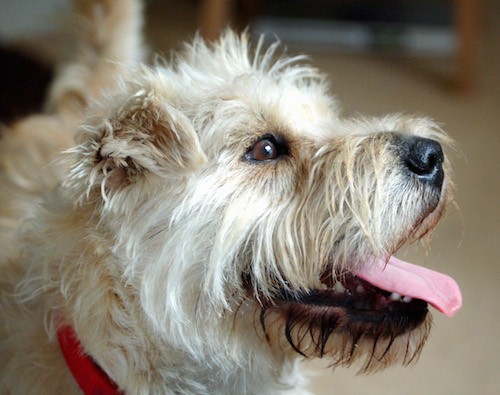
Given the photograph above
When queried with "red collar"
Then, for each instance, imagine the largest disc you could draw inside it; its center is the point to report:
(89, 376)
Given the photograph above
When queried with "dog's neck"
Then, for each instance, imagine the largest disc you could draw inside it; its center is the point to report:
(92, 379)
(89, 376)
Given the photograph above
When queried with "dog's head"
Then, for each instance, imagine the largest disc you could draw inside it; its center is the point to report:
(248, 215)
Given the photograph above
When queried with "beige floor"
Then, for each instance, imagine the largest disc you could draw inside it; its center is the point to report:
(463, 354)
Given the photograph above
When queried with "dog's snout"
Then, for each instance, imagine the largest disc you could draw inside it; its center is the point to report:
(424, 157)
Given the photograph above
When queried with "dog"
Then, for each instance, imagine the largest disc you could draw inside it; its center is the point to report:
(205, 224)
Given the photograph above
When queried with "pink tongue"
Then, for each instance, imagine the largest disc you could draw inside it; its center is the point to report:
(404, 278)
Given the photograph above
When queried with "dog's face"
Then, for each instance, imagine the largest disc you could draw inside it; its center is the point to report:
(241, 206)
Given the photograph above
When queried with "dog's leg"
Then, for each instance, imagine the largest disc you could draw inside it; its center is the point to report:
(108, 42)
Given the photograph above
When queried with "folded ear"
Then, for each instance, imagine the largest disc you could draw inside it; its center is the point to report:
(143, 138)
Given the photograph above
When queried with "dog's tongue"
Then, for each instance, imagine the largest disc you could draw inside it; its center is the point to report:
(404, 278)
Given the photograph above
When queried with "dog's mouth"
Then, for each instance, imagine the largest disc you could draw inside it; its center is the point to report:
(354, 301)
(384, 301)
(381, 291)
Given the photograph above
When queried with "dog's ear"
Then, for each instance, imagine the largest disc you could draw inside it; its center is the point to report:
(144, 138)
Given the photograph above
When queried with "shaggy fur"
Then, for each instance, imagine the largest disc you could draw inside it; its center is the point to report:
(164, 240)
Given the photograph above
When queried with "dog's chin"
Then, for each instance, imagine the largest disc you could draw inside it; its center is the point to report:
(347, 320)
(377, 314)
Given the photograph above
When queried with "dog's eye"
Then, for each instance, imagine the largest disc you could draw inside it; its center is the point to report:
(266, 149)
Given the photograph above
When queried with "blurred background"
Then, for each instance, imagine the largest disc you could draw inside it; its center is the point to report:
(435, 57)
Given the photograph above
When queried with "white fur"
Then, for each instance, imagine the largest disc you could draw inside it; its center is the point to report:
(141, 236)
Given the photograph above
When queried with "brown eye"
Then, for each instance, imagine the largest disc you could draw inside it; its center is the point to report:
(266, 149)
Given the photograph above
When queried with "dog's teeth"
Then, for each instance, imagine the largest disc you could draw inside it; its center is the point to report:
(395, 297)
(322, 286)
(406, 299)
(339, 288)
(360, 289)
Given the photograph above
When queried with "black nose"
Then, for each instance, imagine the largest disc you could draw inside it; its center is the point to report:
(424, 157)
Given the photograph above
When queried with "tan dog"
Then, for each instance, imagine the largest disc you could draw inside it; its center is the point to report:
(215, 222)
